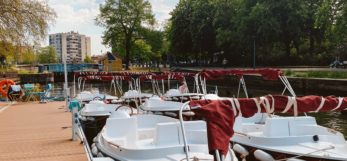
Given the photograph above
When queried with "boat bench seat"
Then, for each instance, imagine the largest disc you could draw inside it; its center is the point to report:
(196, 132)
(145, 133)
(170, 134)
(251, 127)
(167, 134)
(287, 126)
(122, 131)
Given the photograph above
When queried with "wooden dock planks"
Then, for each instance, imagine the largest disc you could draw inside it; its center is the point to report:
(37, 132)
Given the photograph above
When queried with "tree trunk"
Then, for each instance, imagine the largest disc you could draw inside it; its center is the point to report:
(127, 52)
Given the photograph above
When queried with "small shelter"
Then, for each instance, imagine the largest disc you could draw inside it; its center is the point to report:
(111, 63)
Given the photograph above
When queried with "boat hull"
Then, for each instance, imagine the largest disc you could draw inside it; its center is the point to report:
(275, 155)
(92, 127)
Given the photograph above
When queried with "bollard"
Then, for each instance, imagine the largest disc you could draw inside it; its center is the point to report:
(74, 122)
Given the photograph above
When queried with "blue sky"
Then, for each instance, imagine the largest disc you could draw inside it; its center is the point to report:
(79, 15)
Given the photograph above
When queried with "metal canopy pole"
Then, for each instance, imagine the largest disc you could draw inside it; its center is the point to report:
(66, 94)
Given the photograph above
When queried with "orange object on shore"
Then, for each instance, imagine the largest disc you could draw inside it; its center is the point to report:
(7, 83)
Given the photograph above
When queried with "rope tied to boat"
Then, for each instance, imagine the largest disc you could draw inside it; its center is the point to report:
(320, 105)
(291, 104)
(340, 99)
(318, 150)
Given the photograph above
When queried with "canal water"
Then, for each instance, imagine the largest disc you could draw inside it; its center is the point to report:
(334, 120)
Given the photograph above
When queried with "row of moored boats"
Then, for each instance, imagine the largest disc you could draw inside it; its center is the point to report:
(176, 124)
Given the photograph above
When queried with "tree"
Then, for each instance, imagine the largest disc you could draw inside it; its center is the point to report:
(142, 51)
(29, 57)
(7, 53)
(155, 40)
(123, 20)
(88, 60)
(24, 21)
(179, 30)
(47, 55)
(300, 32)
(204, 36)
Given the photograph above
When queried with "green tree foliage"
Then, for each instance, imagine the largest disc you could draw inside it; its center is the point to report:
(142, 51)
(29, 57)
(149, 49)
(7, 52)
(285, 32)
(24, 21)
(88, 59)
(180, 31)
(124, 20)
(47, 55)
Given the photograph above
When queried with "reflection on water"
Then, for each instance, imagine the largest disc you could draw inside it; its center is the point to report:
(334, 120)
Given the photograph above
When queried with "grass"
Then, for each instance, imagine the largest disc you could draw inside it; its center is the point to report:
(16, 70)
(317, 74)
(24, 71)
(7, 69)
(144, 69)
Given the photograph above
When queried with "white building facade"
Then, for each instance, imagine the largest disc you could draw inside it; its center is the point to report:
(71, 45)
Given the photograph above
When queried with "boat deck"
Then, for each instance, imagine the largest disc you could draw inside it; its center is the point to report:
(37, 132)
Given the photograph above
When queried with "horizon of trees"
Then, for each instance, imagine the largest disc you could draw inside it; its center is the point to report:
(204, 32)
(283, 32)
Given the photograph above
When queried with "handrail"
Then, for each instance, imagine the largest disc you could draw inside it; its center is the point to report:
(183, 130)
(77, 129)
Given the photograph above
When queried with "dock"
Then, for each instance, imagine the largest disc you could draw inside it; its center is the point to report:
(37, 132)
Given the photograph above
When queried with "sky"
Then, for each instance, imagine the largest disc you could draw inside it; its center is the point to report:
(79, 16)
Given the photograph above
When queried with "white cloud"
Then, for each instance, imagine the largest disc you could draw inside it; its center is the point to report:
(162, 9)
(79, 15)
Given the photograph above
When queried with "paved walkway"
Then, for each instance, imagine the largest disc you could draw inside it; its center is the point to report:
(35, 132)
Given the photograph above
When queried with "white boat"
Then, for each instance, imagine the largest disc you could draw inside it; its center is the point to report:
(135, 94)
(272, 138)
(176, 95)
(98, 108)
(86, 96)
(268, 137)
(152, 137)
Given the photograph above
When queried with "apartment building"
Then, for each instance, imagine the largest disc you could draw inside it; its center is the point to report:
(71, 45)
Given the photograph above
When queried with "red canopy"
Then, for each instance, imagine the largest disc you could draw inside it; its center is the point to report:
(220, 114)
(141, 75)
(168, 75)
(266, 73)
(78, 74)
(104, 78)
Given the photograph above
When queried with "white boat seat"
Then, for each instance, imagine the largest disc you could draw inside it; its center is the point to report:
(150, 120)
(196, 132)
(122, 128)
(276, 127)
(167, 134)
(147, 124)
(288, 126)
(145, 133)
